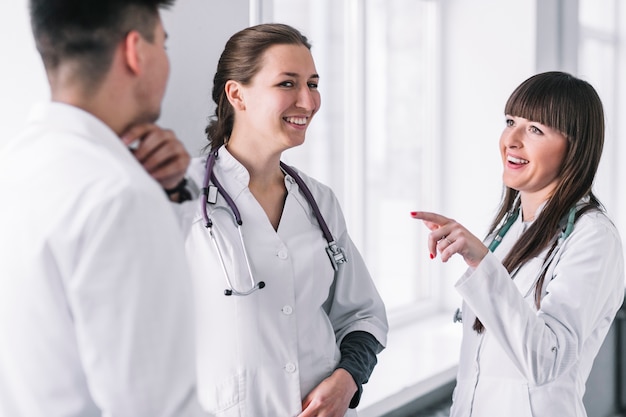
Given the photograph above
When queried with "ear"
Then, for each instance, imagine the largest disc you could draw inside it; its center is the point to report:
(234, 93)
(132, 51)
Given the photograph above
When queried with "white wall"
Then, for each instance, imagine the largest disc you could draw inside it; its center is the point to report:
(489, 49)
(22, 78)
(483, 63)
(198, 31)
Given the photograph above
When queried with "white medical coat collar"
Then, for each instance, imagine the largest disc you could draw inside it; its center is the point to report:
(234, 176)
(65, 117)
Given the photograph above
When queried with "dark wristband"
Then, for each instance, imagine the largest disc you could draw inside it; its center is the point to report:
(181, 190)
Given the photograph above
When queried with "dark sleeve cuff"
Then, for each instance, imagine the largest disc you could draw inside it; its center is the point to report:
(358, 357)
(181, 191)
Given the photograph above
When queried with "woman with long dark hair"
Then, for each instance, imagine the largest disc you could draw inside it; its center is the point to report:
(542, 289)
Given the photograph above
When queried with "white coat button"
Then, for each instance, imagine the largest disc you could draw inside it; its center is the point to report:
(290, 367)
(287, 310)
(282, 254)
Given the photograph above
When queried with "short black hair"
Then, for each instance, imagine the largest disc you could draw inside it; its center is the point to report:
(87, 31)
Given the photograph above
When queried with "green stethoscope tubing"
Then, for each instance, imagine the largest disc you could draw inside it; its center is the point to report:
(571, 218)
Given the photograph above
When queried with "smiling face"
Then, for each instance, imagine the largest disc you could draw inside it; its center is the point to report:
(532, 155)
(275, 109)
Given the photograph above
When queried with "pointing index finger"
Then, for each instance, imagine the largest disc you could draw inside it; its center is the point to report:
(429, 217)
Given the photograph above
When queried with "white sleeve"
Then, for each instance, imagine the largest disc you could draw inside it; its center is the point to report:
(187, 211)
(130, 300)
(584, 290)
(355, 303)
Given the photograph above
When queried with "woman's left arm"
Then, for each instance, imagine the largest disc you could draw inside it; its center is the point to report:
(357, 315)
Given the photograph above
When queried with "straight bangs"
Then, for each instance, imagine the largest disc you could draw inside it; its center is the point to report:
(552, 99)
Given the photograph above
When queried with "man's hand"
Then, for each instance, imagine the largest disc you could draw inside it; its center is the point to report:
(160, 152)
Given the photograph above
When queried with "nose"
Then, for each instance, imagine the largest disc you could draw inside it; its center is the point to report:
(308, 99)
(511, 137)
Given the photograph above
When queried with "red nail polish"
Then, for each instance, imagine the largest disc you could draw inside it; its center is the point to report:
(413, 213)
(432, 256)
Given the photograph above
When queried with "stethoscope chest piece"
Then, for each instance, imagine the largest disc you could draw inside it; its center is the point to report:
(336, 255)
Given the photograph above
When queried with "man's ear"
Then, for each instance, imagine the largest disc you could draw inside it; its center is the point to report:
(234, 93)
(132, 51)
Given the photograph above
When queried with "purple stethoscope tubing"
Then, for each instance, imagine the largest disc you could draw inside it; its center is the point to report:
(336, 254)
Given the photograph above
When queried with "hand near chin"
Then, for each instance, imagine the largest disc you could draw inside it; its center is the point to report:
(331, 397)
(448, 237)
(159, 151)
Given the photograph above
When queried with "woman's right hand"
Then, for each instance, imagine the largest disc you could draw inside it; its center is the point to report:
(449, 237)
(331, 397)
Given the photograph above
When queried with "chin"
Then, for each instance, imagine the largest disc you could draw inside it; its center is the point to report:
(150, 117)
(293, 142)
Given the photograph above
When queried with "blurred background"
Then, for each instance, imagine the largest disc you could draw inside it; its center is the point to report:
(413, 93)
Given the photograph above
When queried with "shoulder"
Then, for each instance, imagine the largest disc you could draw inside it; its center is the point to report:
(596, 222)
(594, 238)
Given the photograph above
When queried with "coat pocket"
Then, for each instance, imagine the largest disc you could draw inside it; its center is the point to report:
(491, 397)
(221, 397)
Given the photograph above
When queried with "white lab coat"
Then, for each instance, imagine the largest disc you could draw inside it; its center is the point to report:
(535, 363)
(95, 297)
(261, 354)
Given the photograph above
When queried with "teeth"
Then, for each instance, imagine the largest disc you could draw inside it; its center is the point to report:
(516, 160)
(296, 120)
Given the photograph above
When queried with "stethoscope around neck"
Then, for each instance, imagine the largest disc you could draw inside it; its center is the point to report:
(211, 187)
(511, 218)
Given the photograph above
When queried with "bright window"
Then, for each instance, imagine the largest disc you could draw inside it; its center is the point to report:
(598, 53)
(374, 139)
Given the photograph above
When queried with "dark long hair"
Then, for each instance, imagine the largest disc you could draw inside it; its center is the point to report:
(571, 106)
(241, 61)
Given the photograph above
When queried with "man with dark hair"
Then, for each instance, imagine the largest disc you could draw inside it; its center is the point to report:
(95, 299)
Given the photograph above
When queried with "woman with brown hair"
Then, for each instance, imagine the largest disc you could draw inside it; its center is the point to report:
(289, 321)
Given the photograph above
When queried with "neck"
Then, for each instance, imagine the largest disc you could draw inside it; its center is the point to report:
(106, 101)
(530, 204)
(263, 166)
(267, 181)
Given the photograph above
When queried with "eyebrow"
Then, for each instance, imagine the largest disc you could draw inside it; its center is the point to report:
(293, 74)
